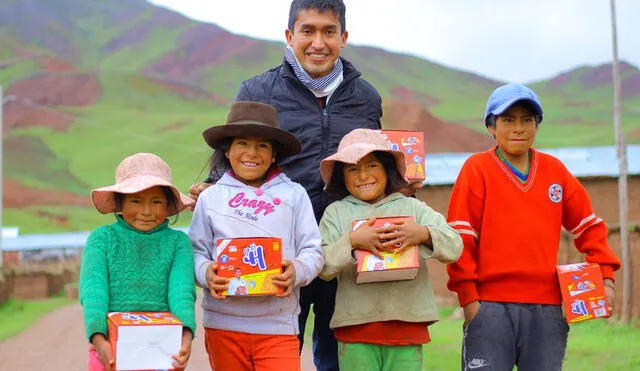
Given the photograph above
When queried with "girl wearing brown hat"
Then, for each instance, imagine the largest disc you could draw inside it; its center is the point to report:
(253, 198)
(381, 325)
(138, 263)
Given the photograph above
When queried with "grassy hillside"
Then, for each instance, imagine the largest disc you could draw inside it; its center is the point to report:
(98, 81)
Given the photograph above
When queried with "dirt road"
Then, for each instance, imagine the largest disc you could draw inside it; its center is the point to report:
(56, 342)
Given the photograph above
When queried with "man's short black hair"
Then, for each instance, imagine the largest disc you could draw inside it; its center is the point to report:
(336, 6)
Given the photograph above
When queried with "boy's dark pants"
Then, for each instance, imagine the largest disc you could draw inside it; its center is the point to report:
(322, 295)
(531, 336)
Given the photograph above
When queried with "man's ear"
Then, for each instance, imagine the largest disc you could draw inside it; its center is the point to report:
(288, 35)
(344, 38)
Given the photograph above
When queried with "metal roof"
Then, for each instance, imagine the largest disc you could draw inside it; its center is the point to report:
(443, 168)
(49, 241)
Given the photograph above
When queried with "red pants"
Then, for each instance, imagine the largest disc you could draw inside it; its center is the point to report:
(239, 351)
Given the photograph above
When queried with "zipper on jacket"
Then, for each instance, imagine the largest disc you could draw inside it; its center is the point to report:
(324, 111)
(324, 115)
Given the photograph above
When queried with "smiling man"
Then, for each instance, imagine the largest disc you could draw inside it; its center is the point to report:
(320, 97)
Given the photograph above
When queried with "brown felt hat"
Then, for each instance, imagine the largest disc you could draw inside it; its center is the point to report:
(253, 119)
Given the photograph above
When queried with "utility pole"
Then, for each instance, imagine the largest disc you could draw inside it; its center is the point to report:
(621, 151)
(1, 177)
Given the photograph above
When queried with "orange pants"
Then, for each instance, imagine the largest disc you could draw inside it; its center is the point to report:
(239, 351)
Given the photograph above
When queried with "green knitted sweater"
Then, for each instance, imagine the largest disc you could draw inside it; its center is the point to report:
(126, 270)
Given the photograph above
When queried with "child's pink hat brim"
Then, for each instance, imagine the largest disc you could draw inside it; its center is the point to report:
(135, 174)
(356, 145)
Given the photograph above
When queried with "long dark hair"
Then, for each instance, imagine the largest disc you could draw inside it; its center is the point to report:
(172, 202)
(219, 163)
(338, 189)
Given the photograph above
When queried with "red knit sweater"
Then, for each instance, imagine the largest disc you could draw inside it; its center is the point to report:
(511, 230)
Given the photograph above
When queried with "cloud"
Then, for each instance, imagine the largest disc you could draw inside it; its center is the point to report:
(510, 40)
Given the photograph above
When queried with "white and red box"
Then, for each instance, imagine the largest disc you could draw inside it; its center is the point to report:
(583, 294)
(393, 266)
(144, 341)
(411, 143)
(250, 264)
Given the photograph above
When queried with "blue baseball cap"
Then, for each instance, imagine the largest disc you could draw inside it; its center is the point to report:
(505, 96)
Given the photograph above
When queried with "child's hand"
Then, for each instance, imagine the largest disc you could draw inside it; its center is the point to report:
(216, 283)
(182, 357)
(103, 348)
(403, 234)
(285, 280)
(470, 312)
(367, 238)
(196, 189)
(610, 292)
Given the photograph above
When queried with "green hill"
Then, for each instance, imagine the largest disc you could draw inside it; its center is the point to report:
(96, 81)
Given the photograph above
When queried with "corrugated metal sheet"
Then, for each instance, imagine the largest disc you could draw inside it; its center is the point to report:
(443, 168)
(49, 241)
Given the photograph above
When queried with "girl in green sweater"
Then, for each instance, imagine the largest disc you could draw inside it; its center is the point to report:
(381, 325)
(138, 263)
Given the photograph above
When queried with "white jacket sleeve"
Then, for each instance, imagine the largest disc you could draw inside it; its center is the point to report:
(309, 257)
(201, 235)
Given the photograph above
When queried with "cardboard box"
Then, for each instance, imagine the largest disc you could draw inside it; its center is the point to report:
(411, 143)
(250, 263)
(583, 294)
(393, 267)
(143, 341)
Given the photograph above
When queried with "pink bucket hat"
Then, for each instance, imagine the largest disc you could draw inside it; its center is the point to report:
(356, 145)
(134, 174)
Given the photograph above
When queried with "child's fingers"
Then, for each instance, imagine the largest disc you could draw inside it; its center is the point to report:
(215, 294)
(287, 291)
(402, 248)
(180, 360)
(376, 252)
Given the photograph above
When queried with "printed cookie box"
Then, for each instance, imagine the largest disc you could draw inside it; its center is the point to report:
(249, 264)
(393, 267)
(144, 341)
(411, 143)
(583, 295)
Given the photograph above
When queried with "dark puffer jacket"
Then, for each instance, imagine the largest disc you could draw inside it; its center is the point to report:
(354, 104)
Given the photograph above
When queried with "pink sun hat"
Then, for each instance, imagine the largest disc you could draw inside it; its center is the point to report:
(134, 174)
(356, 145)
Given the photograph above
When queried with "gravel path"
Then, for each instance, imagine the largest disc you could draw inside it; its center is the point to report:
(56, 342)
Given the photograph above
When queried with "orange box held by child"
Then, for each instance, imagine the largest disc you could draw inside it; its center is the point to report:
(411, 143)
(583, 294)
(393, 266)
(144, 341)
(250, 264)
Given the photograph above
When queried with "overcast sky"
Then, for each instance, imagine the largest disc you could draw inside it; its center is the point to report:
(510, 40)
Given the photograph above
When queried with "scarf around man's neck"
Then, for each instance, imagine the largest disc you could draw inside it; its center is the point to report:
(320, 87)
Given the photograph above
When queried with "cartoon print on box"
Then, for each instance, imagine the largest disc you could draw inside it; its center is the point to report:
(411, 143)
(250, 263)
(582, 290)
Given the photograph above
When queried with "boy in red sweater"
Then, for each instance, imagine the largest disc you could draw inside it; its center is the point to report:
(509, 204)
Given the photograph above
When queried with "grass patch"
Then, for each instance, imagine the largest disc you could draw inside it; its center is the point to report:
(592, 345)
(18, 315)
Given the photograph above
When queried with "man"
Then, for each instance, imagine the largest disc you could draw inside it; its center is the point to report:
(237, 286)
(320, 97)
